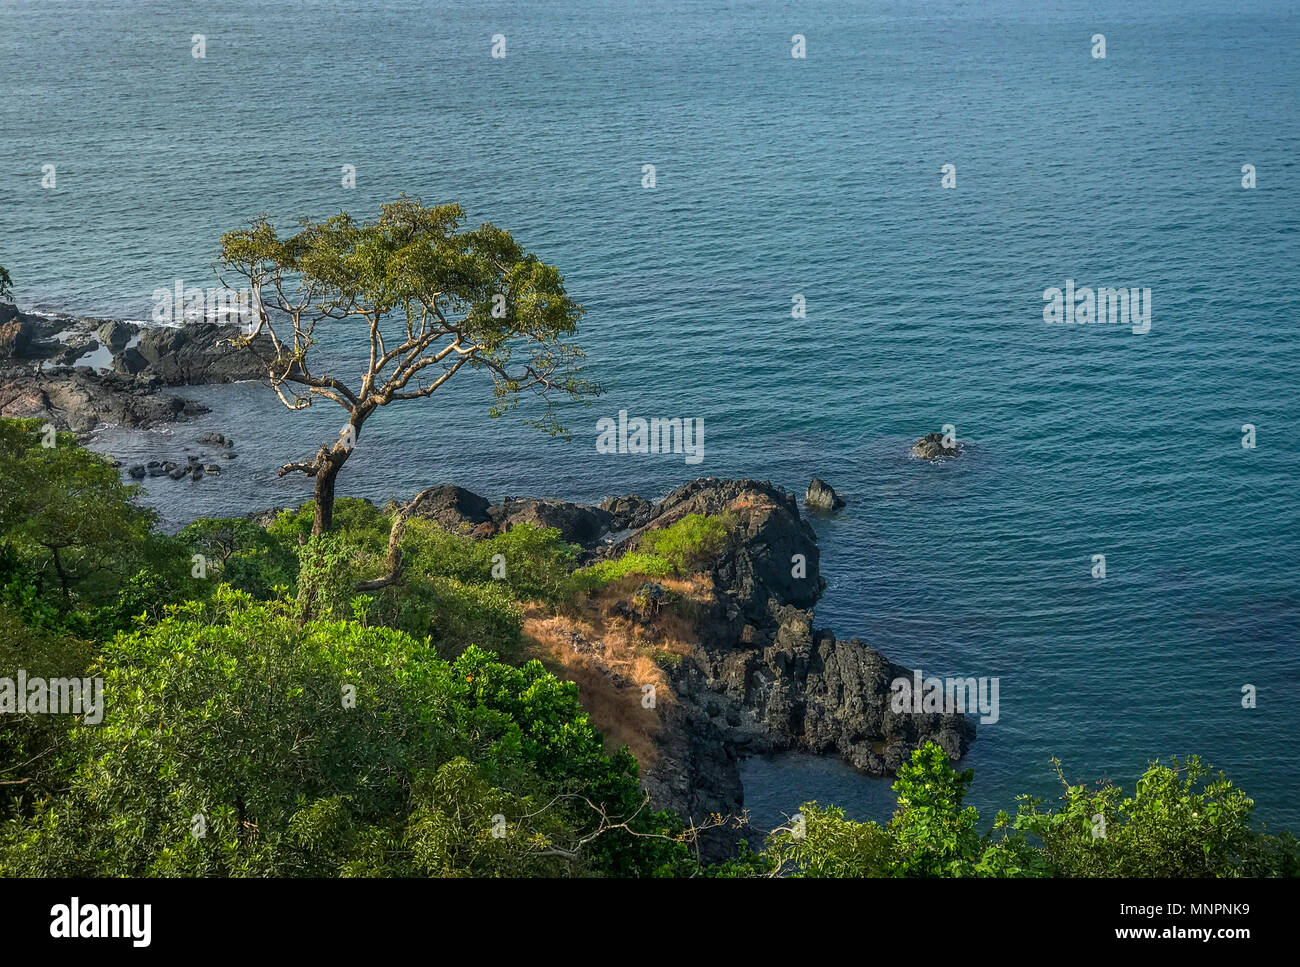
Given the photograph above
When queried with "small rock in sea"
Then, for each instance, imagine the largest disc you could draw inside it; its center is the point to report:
(931, 447)
(153, 463)
(229, 456)
(211, 468)
(176, 473)
(157, 471)
(214, 438)
(196, 474)
(820, 496)
(136, 470)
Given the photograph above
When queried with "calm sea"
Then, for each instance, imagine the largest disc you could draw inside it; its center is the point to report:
(778, 176)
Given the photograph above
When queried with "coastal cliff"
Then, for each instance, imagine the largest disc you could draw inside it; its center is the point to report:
(739, 667)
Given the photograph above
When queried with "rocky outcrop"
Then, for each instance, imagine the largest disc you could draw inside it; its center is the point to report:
(194, 353)
(454, 508)
(773, 553)
(40, 376)
(15, 333)
(577, 523)
(821, 497)
(626, 513)
(81, 399)
(759, 677)
(115, 335)
(932, 447)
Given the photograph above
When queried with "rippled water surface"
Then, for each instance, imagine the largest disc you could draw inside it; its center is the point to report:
(778, 176)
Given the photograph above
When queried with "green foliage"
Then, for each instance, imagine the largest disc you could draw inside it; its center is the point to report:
(76, 552)
(242, 554)
(614, 569)
(1182, 820)
(534, 562)
(693, 539)
(414, 274)
(357, 521)
(931, 834)
(677, 549)
(326, 575)
(29, 742)
(232, 719)
(453, 615)
(935, 834)
(820, 842)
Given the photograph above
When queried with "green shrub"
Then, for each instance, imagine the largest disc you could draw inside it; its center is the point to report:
(29, 742)
(239, 743)
(692, 540)
(1181, 821)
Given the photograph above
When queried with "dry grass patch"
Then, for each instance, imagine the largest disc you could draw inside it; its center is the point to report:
(611, 656)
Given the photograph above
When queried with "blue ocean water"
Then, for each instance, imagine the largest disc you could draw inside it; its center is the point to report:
(776, 177)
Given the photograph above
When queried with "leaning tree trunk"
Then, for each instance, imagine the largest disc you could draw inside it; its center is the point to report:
(324, 496)
(324, 499)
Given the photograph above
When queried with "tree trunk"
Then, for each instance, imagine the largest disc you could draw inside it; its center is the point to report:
(63, 575)
(325, 476)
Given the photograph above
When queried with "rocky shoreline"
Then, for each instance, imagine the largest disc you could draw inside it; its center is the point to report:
(81, 373)
(757, 677)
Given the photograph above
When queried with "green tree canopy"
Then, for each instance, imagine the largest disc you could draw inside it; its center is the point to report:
(237, 742)
(423, 297)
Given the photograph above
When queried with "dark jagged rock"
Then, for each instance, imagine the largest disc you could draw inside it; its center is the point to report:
(577, 523)
(759, 678)
(454, 508)
(265, 518)
(773, 552)
(627, 513)
(82, 399)
(198, 352)
(821, 497)
(931, 447)
(15, 334)
(115, 335)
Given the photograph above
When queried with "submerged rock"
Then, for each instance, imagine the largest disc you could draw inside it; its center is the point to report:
(931, 447)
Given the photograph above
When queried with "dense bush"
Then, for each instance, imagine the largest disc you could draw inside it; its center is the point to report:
(1176, 825)
(77, 554)
(29, 742)
(676, 549)
(240, 743)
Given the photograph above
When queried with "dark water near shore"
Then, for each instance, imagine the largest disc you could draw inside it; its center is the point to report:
(777, 177)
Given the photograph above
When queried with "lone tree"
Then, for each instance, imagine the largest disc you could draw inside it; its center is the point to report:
(429, 298)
